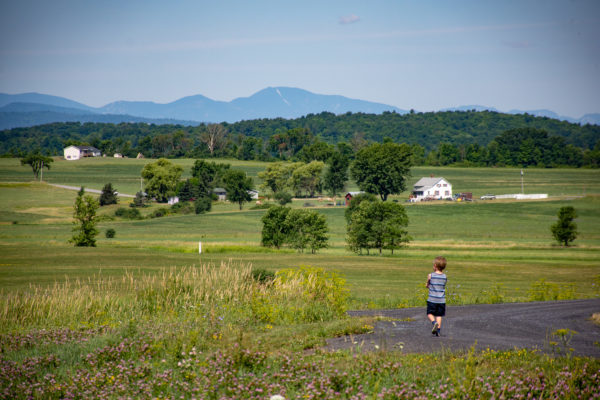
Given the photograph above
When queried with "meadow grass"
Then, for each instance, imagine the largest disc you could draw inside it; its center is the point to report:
(144, 315)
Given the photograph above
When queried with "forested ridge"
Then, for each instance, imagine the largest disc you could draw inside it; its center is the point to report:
(438, 138)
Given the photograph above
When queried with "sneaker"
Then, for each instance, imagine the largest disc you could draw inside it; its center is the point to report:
(434, 330)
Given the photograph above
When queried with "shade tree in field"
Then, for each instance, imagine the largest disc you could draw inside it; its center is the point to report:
(382, 168)
(377, 225)
(275, 230)
(162, 178)
(336, 173)
(37, 162)
(276, 177)
(108, 195)
(237, 185)
(307, 178)
(355, 202)
(84, 231)
(298, 228)
(565, 230)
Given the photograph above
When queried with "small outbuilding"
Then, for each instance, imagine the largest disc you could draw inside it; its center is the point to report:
(221, 194)
(72, 153)
(350, 195)
(253, 193)
(432, 188)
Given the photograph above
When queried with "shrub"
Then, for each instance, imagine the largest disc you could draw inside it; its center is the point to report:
(283, 198)
(108, 195)
(129, 213)
(110, 233)
(159, 212)
(202, 205)
(183, 207)
(263, 276)
(139, 200)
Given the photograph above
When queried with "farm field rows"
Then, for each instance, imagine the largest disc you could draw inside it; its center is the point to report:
(144, 315)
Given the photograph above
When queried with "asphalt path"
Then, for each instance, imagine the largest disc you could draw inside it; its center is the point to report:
(87, 190)
(495, 326)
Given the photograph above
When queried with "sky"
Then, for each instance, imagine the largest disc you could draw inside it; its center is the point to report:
(423, 55)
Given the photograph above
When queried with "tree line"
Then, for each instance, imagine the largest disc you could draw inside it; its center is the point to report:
(444, 138)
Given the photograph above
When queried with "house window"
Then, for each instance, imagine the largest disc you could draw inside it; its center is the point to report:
(438, 185)
(446, 193)
(445, 185)
(437, 192)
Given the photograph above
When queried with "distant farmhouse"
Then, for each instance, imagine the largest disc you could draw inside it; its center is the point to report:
(431, 189)
(77, 152)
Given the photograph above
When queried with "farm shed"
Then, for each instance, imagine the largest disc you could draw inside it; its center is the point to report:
(221, 193)
(431, 189)
(350, 195)
(253, 193)
(77, 152)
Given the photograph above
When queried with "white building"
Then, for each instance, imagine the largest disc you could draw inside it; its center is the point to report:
(77, 152)
(431, 189)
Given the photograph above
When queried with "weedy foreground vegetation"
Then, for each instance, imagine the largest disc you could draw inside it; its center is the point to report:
(143, 315)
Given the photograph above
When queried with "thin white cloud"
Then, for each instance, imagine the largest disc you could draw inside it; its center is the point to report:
(349, 19)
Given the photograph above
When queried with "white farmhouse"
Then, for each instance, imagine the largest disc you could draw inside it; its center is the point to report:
(77, 152)
(431, 189)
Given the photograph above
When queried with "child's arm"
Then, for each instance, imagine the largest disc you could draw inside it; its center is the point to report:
(428, 280)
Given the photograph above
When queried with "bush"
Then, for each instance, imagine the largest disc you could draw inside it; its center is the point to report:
(202, 205)
(283, 198)
(183, 207)
(129, 213)
(263, 276)
(262, 206)
(159, 212)
(110, 233)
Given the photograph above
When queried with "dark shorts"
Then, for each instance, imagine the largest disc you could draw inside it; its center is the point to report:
(437, 309)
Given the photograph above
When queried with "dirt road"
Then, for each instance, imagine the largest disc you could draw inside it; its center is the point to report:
(497, 326)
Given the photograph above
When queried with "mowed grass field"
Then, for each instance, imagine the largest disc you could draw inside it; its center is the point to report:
(506, 245)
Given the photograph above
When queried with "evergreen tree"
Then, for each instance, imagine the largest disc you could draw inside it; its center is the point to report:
(108, 195)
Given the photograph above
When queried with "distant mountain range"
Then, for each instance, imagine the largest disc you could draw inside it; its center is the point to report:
(30, 109)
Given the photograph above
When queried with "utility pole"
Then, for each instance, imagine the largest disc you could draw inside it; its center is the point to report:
(42, 171)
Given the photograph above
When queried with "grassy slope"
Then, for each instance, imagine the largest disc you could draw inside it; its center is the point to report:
(486, 242)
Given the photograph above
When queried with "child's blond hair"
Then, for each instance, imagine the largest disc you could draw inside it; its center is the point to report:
(439, 263)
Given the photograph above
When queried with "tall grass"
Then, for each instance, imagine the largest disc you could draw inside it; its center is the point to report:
(203, 294)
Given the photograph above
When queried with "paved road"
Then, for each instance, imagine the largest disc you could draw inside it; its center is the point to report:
(87, 190)
(497, 326)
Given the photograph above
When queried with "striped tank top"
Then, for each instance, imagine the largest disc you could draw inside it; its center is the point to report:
(437, 288)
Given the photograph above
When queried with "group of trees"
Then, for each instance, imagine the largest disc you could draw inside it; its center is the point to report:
(445, 138)
(375, 224)
(298, 228)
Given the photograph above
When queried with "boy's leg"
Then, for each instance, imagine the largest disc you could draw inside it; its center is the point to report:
(439, 322)
(431, 318)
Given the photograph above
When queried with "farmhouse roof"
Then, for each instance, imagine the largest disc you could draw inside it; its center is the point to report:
(427, 182)
(88, 148)
(219, 190)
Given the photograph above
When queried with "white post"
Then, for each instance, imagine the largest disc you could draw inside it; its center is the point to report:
(522, 189)
(42, 171)
(199, 247)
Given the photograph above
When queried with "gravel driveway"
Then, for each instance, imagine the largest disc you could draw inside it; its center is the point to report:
(497, 326)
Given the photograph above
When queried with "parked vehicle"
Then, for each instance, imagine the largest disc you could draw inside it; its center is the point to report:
(488, 197)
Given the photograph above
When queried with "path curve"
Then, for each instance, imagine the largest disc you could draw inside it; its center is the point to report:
(87, 190)
(495, 326)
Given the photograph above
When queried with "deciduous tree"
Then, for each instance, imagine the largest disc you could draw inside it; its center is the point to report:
(307, 229)
(382, 168)
(37, 161)
(565, 230)
(237, 185)
(162, 177)
(84, 231)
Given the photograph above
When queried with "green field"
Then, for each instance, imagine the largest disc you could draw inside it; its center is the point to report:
(485, 242)
(143, 315)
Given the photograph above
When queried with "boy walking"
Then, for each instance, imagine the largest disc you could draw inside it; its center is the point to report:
(436, 301)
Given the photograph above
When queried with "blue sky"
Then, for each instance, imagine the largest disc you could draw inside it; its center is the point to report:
(425, 55)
